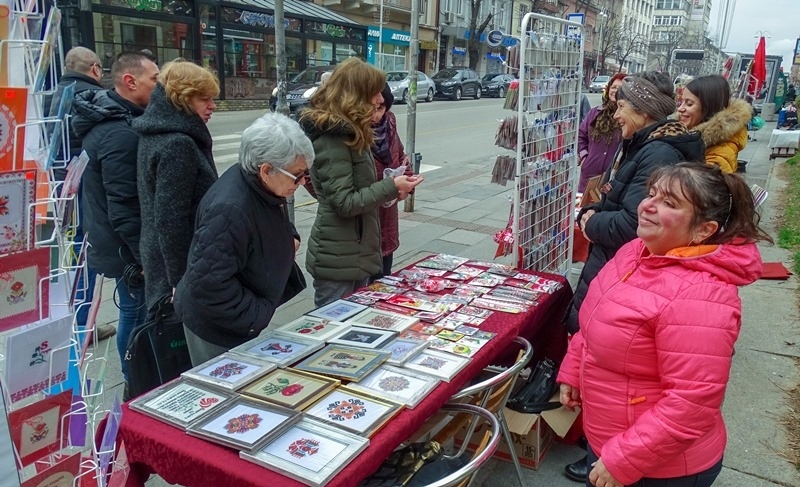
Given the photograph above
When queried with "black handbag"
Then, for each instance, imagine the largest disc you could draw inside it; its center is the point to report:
(295, 284)
(534, 395)
(157, 350)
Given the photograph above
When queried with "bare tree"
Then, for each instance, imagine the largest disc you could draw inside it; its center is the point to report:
(475, 32)
(621, 41)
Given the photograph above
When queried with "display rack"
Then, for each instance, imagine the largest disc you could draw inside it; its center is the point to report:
(549, 93)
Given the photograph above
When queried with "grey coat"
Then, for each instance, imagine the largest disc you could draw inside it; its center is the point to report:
(175, 169)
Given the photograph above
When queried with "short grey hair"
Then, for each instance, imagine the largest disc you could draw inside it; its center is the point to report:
(80, 60)
(275, 139)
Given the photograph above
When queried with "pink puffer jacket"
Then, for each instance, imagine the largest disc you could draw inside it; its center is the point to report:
(653, 357)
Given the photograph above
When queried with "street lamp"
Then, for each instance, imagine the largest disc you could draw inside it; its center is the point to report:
(603, 15)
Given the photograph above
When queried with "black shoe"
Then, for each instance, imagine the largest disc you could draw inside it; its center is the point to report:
(577, 471)
(583, 443)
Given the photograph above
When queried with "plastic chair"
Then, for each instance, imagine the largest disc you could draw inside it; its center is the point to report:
(483, 452)
(492, 395)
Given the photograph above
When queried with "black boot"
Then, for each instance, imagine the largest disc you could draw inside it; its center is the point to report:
(577, 471)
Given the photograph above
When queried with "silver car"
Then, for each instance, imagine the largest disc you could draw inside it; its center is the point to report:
(398, 82)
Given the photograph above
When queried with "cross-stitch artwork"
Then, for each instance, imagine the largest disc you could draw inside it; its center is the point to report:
(229, 370)
(179, 402)
(439, 364)
(21, 301)
(244, 424)
(290, 388)
(13, 108)
(397, 384)
(38, 429)
(353, 410)
(17, 215)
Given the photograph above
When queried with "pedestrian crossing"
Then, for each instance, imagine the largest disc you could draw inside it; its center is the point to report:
(226, 153)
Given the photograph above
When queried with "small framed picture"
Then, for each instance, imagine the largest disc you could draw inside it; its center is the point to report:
(397, 384)
(310, 452)
(290, 388)
(355, 411)
(383, 320)
(282, 350)
(338, 310)
(360, 337)
(343, 362)
(180, 402)
(244, 424)
(403, 349)
(310, 328)
(230, 371)
(438, 364)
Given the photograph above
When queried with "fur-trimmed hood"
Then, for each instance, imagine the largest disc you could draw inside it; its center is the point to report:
(725, 124)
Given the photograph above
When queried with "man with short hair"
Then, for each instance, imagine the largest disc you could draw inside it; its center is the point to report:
(110, 200)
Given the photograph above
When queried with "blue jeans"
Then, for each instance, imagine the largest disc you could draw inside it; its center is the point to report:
(132, 313)
(701, 479)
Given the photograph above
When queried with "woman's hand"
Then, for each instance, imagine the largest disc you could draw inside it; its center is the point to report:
(601, 477)
(585, 219)
(296, 245)
(570, 397)
(405, 184)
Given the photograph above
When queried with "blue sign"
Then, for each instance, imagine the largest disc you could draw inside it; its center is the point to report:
(573, 31)
(495, 56)
(390, 36)
(460, 51)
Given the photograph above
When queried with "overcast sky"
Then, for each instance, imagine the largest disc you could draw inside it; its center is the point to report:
(781, 18)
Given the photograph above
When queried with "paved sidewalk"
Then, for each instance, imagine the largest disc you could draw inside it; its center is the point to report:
(458, 210)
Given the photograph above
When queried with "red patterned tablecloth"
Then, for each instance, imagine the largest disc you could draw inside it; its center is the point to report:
(155, 447)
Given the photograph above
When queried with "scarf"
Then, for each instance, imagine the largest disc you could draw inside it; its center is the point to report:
(647, 98)
(380, 145)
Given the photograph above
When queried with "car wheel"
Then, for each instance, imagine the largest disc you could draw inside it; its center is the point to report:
(477, 93)
(501, 93)
(405, 96)
(429, 98)
(457, 94)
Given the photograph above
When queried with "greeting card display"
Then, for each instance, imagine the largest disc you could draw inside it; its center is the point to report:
(20, 300)
(383, 320)
(309, 452)
(397, 384)
(338, 310)
(7, 461)
(62, 473)
(277, 348)
(355, 411)
(37, 357)
(229, 371)
(13, 108)
(40, 428)
(310, 328)
(17, 215)
(291, 388)
(343, 362)
(438, 364)
(363, 337)
(106, 449)
(244, 424)
(179, 402)
(403, 349)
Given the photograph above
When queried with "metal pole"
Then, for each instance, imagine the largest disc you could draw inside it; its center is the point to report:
(380, 38)
(280, 55)
(411, 124)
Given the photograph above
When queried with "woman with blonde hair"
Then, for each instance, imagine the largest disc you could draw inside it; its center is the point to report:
(175, 169)
(344, 248)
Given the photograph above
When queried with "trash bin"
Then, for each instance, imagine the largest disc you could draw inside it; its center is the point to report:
(768, 112)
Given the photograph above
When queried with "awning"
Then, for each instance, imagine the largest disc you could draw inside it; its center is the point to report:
(305, 9)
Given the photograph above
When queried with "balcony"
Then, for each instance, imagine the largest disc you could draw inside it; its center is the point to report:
(369, 6)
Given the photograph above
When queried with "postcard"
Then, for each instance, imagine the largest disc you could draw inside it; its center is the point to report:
(361, 337)
(179, 402)
(230, 370)
(279, 349)
(13, 110)
(8, 461)
(469, 271)
(359, 299)
(343, 362)
(311, 328)
(40, 428)
(338, 310)
(20, 274)
(383, 320)
(403, 349)
(291, 388)
(106, 449)
(353, 410)
(17, 215)
(63, 473)
(441, 365)
(450, 335)
(398, 384)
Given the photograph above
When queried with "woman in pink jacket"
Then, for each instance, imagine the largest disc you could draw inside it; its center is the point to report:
(651, 361)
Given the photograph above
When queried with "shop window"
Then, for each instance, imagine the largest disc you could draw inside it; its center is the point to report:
(115, 34)
(319, 53)
(249, 62)
(173, 7)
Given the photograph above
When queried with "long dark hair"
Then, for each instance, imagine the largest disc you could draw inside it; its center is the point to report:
(604, 126)
(713, 92)
(715, 196)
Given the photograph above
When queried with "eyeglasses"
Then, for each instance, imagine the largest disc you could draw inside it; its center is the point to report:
(296, 179)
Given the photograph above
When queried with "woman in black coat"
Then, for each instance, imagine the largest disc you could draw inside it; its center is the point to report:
(242, 254)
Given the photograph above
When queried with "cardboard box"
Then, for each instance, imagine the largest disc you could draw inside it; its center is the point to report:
(532, 434)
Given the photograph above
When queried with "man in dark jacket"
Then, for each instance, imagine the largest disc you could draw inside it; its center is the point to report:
(110, 199)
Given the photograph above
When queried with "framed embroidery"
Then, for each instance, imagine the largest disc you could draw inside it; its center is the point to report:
(39, 428)
(353, 410)
(311, 328)
(230, 371)
(403, 349)
(17, 215)
(291, 388)
(13, 109)
(400, 385)
(383, 320)
(37, 357)
(363, 337)
(338, 310)
(310, 452)
(438, 364)
(20, 299)
(179, 402)
(343, 362)
(244, 424)
(279, 349)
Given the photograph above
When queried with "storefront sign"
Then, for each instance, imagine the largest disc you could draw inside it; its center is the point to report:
(507, 41)
(333, 30)
(495, 38)
(428, 45)
(390, 36)
(461, 51)
(147, 5)
(259, 19)
(496, 56)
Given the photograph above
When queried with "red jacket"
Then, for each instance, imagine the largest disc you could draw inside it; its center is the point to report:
(390, 226)
(653, 357)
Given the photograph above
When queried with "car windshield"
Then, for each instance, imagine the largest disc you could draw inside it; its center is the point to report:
(446, 73)
(308, 76)
(601, 79)
(396, 75)
(493, 77)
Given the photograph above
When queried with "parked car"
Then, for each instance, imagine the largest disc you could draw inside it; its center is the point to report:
(457, 82)
(398, 82)
(300, 88)
(598, 84)
(496, 84)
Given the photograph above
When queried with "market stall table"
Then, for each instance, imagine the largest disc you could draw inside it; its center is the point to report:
(155, 447)
(784, 143)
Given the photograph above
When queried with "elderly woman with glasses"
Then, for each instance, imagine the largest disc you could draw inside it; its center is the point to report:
(241, 260)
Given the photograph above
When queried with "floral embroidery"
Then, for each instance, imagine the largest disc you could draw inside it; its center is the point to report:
(303, 447)
(347, 409)
(228, 370)
(433, 363)
(283, 386)
(243, 423)
(276, 348)
(394, 383)
(207, 402)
